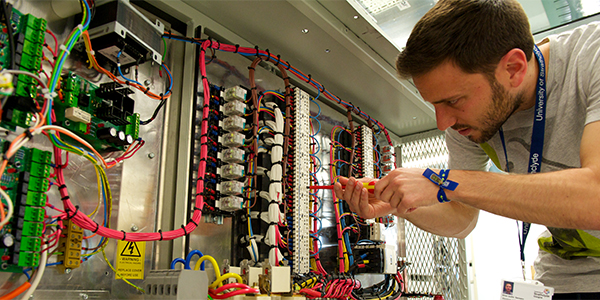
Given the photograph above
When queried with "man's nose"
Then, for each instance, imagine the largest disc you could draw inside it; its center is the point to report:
(444, 118)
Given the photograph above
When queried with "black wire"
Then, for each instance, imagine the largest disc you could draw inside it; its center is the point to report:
(9, 30)
(156, 111)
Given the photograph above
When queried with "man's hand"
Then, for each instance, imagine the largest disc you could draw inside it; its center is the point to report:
(406, 190)
(360, 200)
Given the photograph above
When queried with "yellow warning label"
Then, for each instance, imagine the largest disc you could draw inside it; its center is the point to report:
(130, 259)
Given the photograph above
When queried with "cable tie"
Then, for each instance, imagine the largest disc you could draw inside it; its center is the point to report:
(97, 227)
(28, 134)
(124, 235)
(251, 68)
(257, 54)
(161, 236)
(253, 88)
(73, 215)
(272, 223)
(65, 198)
(268, 54)
(204, 77)
(211, 42)
(62, 187)
(197, 208)
(80, 28)
(184, 230)
(191, 220)
(237, 47)
(202, 50)
(278, 60)
(218, 45)
(147, 90)
(288, 65)
(309, 78)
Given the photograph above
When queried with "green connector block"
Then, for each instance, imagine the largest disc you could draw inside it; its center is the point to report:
(70, 99)
(29, 259)
(37, 184)
(29, 62)
(70, 84)
(34, 214)
(36, 199)
(40, 156)
(40, 170)
(21, 118)
(81, 127)
(24, 79)
(32, 229)
(33, 49)
(133, 128)
(30, 244)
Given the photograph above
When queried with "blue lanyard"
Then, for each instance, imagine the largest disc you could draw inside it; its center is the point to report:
(537, 141)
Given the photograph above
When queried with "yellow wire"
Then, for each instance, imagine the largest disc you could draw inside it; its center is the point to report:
(212, 261)
(219, 280)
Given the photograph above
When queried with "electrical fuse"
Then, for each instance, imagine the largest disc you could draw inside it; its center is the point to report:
(387, 149)
(232, 187)
(233, 139)
(234, 108)
(388, 158)
(232, 171)
(235, 93)
(234, 123)
(232, 203)
(233, 155)
(386, 168)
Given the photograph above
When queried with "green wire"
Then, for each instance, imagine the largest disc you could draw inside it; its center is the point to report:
(209, 297)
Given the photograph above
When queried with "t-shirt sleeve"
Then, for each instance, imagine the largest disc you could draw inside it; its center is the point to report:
(591, 66)
(464, 154)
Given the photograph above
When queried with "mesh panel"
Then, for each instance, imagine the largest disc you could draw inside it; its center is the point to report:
(437, 264)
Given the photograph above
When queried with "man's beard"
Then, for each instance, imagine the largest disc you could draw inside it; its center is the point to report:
(501, 108)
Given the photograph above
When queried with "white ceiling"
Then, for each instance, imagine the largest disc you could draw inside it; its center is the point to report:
(359, 66)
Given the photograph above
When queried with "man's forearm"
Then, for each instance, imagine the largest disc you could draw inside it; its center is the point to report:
(450, 219)
(565, 199)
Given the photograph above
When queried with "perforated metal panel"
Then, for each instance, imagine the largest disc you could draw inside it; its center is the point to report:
(437, 264)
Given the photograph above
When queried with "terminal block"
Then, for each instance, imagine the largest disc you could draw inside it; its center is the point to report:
(70, 245)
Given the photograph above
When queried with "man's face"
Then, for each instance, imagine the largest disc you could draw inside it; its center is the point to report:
(471, 104)
(508, 287)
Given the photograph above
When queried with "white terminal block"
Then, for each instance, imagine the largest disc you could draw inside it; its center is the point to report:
(234, 123)
(233, 155)
(252, 276)
(231, 187)
(236, 270)
(78, 115)
(233, 139)
(235, 93)
(280, 279)
(232, 203)
(390, 259)
(232, 171)
(367, 149)
(234, 108)
(376, 232)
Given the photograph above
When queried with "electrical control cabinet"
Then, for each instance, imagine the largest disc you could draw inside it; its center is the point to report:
(141, 152)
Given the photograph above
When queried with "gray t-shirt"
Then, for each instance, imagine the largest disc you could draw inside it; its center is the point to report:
(573, 90)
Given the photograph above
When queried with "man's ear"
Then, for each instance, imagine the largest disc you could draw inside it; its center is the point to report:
(512, 67)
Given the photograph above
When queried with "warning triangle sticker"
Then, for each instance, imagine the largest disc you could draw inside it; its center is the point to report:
(131, 250)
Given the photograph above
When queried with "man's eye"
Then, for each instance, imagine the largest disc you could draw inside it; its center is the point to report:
(452, 102)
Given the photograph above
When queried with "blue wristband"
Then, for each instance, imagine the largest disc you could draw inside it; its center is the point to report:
(442, 181)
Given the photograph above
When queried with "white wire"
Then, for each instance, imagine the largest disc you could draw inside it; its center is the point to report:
(37, 277)
(10, 211)
(19, 72)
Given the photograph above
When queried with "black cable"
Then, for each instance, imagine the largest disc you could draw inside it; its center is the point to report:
(7, 8)
(156, 111)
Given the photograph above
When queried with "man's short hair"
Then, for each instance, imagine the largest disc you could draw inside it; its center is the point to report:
(474, 34)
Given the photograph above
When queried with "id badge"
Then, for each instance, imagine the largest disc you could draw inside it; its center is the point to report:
(529, 290)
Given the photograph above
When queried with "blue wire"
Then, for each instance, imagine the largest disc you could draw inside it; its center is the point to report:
(27, 274)
(121, 73)
(320, 242)
(319, 106)
(320, 164)
(170, 80)
(178, 260)
(188, 259)
(366, 241)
